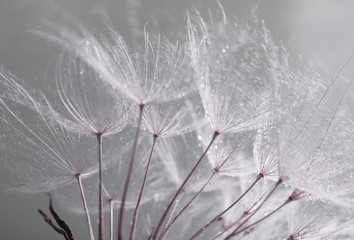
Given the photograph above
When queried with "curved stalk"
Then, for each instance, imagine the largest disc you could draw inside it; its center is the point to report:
(136, 211)
(181, 187)
(126, 185)
(78, 177)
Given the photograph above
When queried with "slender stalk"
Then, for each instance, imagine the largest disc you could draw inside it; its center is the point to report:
(263, 218)
(100, 197)
(227, 209)
(132, 230)
(172, 212)
(182, 186)
(78, 177)
(165, 231)
(135, 144)
(257, 209)
(111, 207)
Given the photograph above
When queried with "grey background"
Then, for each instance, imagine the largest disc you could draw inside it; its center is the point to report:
(321, 29)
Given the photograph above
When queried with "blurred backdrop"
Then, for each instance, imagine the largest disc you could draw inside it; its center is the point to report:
(322, 30)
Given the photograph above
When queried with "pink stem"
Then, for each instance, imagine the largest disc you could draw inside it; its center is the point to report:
(87, 213)
(100, 197)
(132, 231)
(135, 144)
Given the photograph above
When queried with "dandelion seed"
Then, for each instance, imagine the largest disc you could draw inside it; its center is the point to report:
(87, 105)
(315, 220)
(53, 154)
(160, 73)
(44, 157)
(322, 149)
(235, 85)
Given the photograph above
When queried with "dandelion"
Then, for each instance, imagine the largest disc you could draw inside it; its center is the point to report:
(275, 131)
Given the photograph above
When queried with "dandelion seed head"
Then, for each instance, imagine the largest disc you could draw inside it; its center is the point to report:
(232, 72)
(312, 132)
(160, 72)
(315, 220)
(84, 104)
(40, 157)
